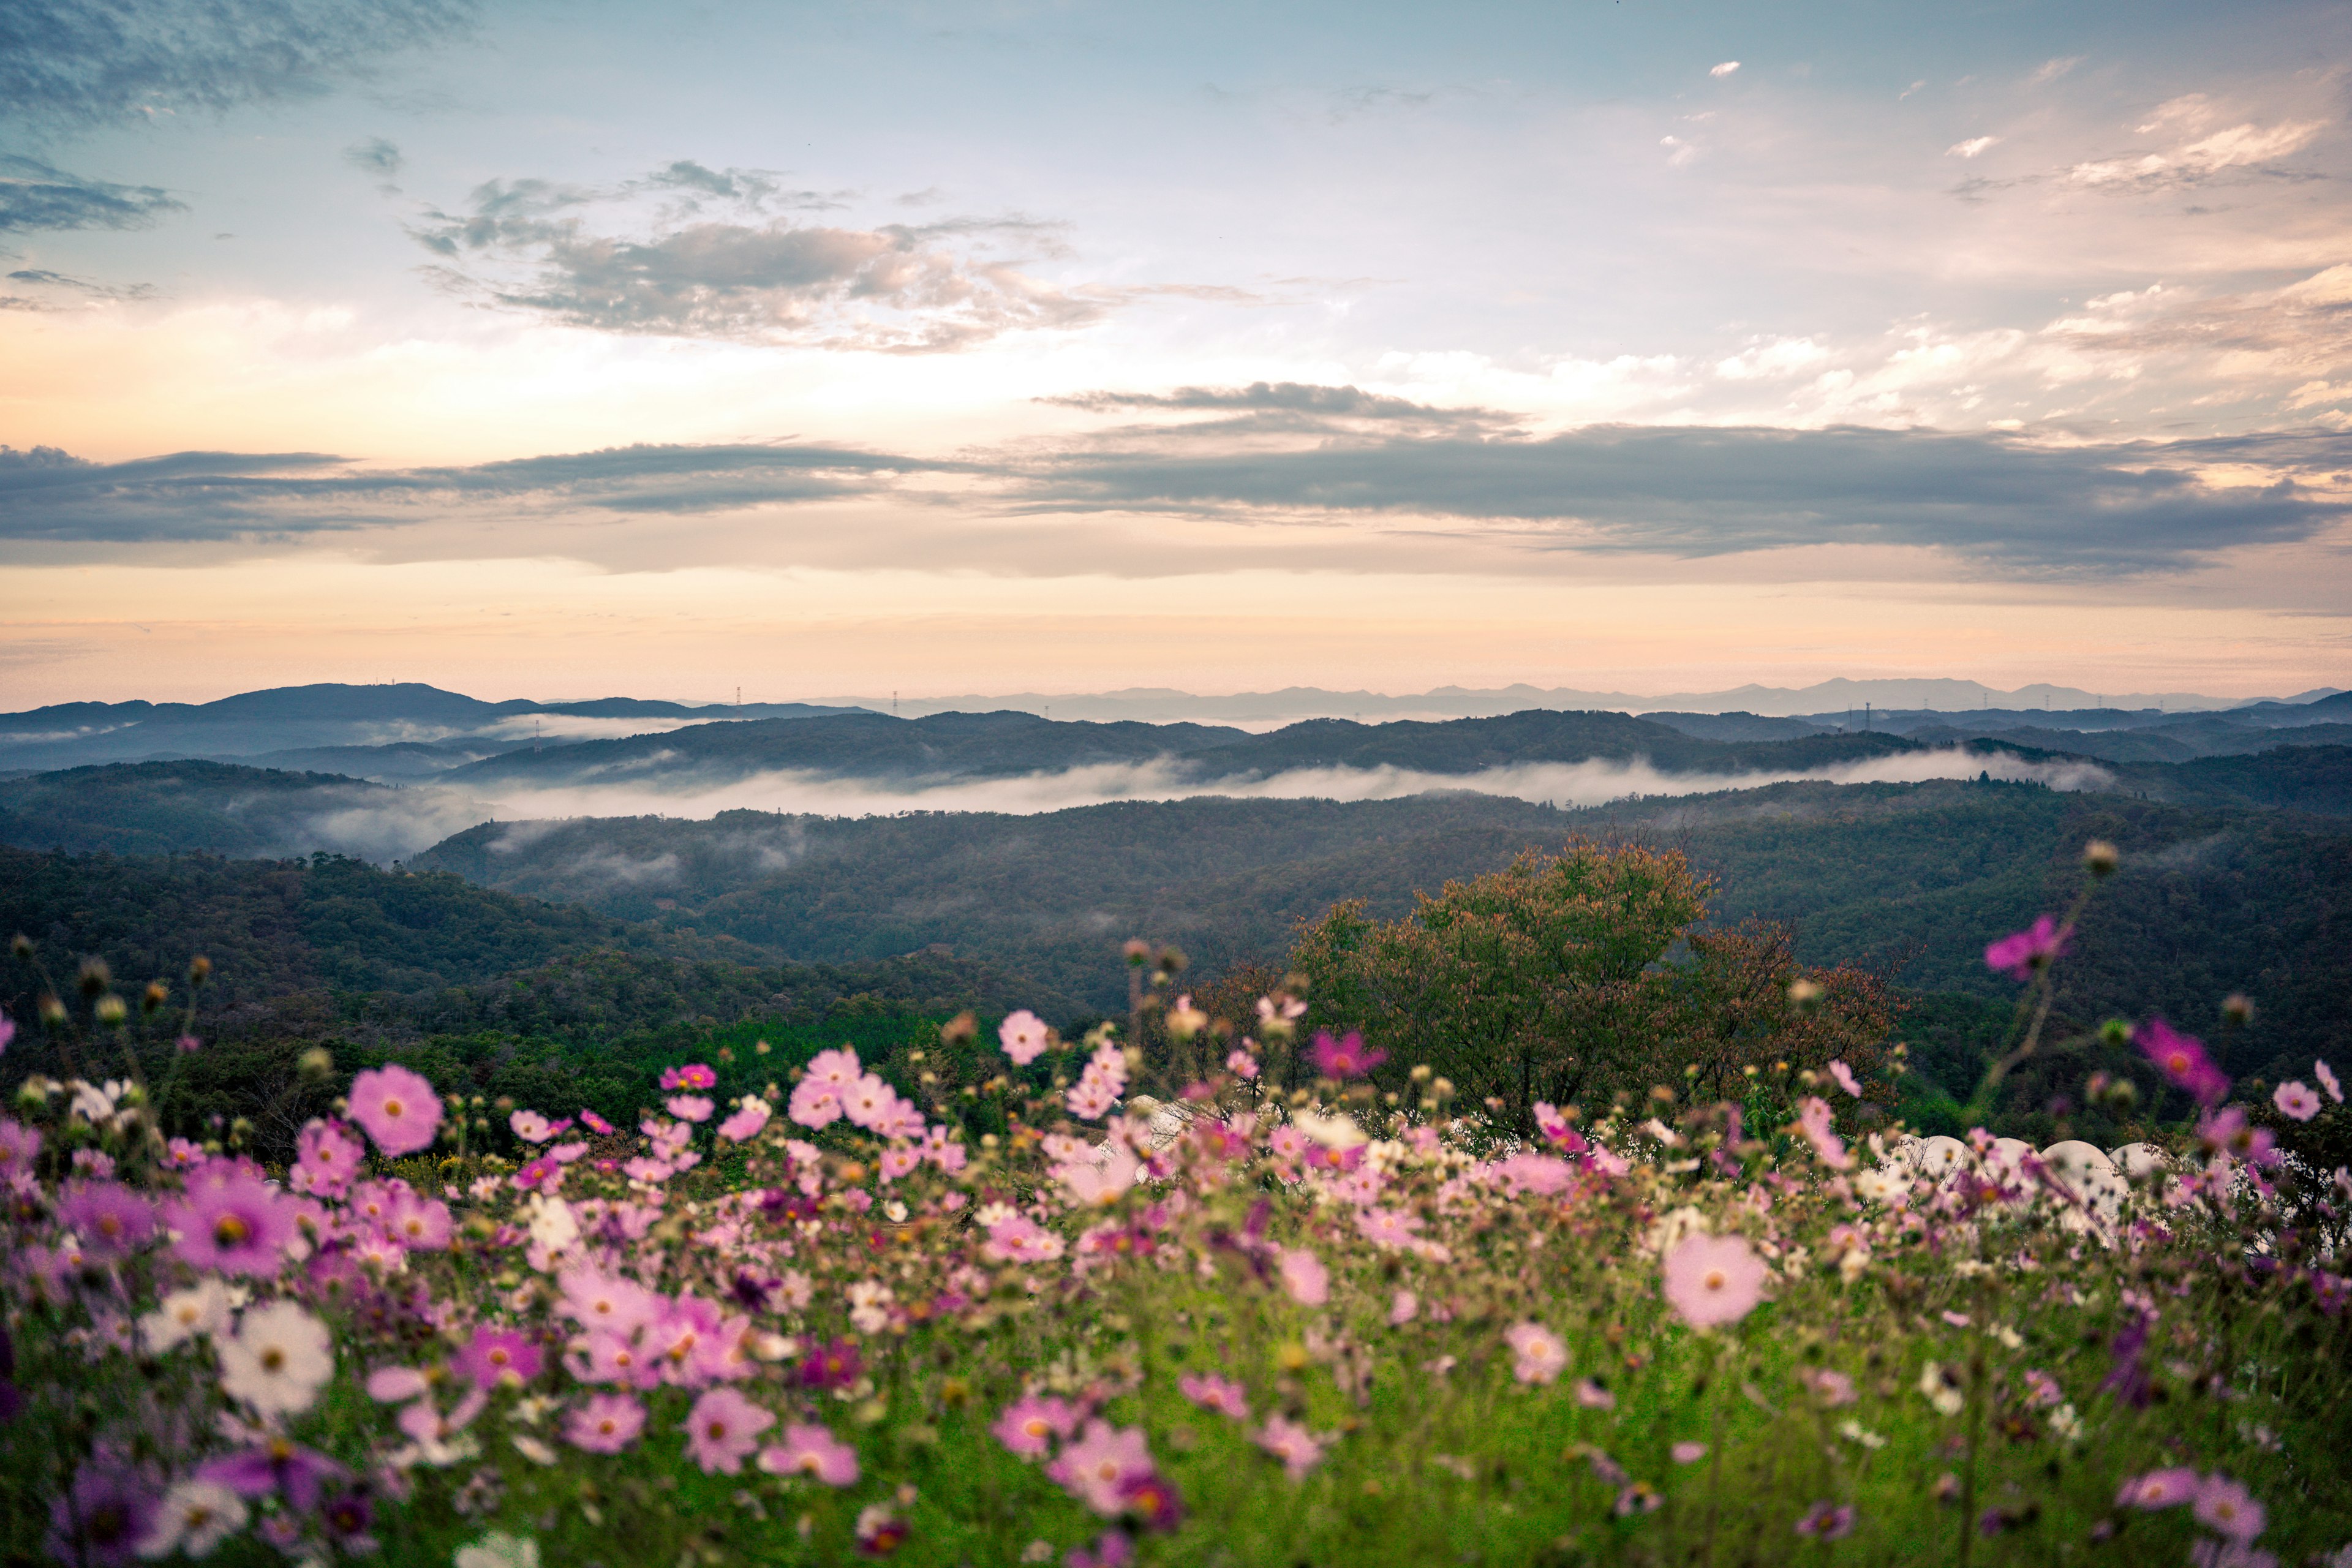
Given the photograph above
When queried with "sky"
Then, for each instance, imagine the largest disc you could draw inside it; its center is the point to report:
(595, 349)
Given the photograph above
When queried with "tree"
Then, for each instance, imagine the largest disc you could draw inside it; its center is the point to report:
(1578, 977)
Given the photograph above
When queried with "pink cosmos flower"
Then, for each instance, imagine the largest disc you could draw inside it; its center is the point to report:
(1713, 1280)
(1814, 1120)
(834, 1365)
(496, 1356)
(1403, 1308)
(1688, 1453)
(1345, 1057)
(325, 1159)
(694, 1075)
(747, 1122)
(2326, 1077)
(1832, 1388)
(812, 1451)
(1593, 1396)
(1242, 1065)
(230, 1221)
(1304, 1276)
(1017, 1238)
(2296, 1099)
(595, 1123)
(111, 1220)
(1541, 1356)
(398, 1108)
(2227, 1507)
(1116, 1548)
(689, 1107)
(1845, 1078)
(1096, 1467)
(2181, 1059)
(1222, 1395)
(722, 1429)
(19, 1146)
(1030, 1424)
(7, 1030)
(419, 1223)
(1298, 1449)
(607, 1424)
(1023, 1036)
(813, 1104)
(1826, 1522)
(1387, 1227)
(2159, 1488)
(2021, 954)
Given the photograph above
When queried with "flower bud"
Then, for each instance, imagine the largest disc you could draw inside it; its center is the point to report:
(21, 945)
(316, 1065)
(155, 995)
(2100, 858)
(200, 969)
(94, 977)
(1139, 953)
(960, 1028)
(108, 1009)
(1804, 995)
(52, 1010)
(2116, 1032)
(2238, 1008)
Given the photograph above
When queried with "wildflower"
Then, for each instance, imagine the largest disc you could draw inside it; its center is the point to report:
(1941, 1384)
(1387, 1227)
(1151, 1500)
(278, 1360)
(1845, 1078)
(398, 1108)
(689, 1107)
(1116, 1548)
(1030, 1424)
(1345, 1058)
(1023, 1036)
(881, 1529)
(2181, 1059)
(1688, 1453)
(19, 1146)
(500, 1550)
(1827, 1522)
(1814, 1120)
(1222, 1395)
(812, 1451)
(2296, 1099)
(1184, 1020)
(722, 1429)
(1403, 1308)
(1539, 1356)
(1017, 1238)
(2227, 1507)
(750, 1118)
(1853, 1431)
(607, 1424)
(7, 1030)
(497, 1357)
(1097, 1465)
(2329, 1293)
(834, 1365)
(111, 1220)
(2326, 1077)
(1298, 1449)
(531, 1127)
(231, 1221)
(595, 1123)
(1306, 1278)
(196, 1517)
(1639, 1496)
(325, 1159)
(102, 1520)
(1713, 1280)
(1241, 1064)
(2021, 954)
(1593, 1396)
(202, 1309)
(1832, 1388)
(2157, 1489)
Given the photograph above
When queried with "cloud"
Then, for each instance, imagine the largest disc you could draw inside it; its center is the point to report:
(79, 292)
(1266, 407)
(375, 156)
(1690, 491)
(1971, 147)
(49, 494)
(689, 251)
(1726, 68)
(69, 63)
(2051, 70)
(33, 195)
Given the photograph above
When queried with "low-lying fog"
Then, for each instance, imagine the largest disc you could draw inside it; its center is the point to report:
(391, 826)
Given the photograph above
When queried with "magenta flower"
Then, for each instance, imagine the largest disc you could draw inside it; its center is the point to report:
(1031, 1423)
(103, 1519)
(111, 1220)
(2181, 1059)
(2296, 1099)
(607, 1424)
(20, 1146)
(595, 1123)
(747, 1122)
(230, 1221)
(2326, 1077)
(1151, 1500)
(1304, 1276)
(2157, 1489)
(1845, 1078)
(1222, 1395)
(2228, 1507)
(325, 1159)
(812, 1451)
(835, 1365)
(494, 1356)
(1825, 1522)
(289, 1470)
(1095, 1468)
(689, 1107)
(7, 1030)
(1345, 1058)
(694, 1075)
(1814, 1120)
(398, 1108)
(1713, 1280)
(418, 1223)
(2021, 954)
(722, 1429)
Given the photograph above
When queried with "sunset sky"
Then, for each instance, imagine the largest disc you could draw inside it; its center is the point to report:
(583, 349)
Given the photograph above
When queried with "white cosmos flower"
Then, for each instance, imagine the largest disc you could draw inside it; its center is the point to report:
(201, 1309)
(278, 1360)
(196, 1516)
(500, 1550)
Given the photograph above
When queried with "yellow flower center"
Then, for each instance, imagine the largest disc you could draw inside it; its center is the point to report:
(230, 1231)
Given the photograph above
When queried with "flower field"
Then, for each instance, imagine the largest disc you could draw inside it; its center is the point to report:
(1308, 1309)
